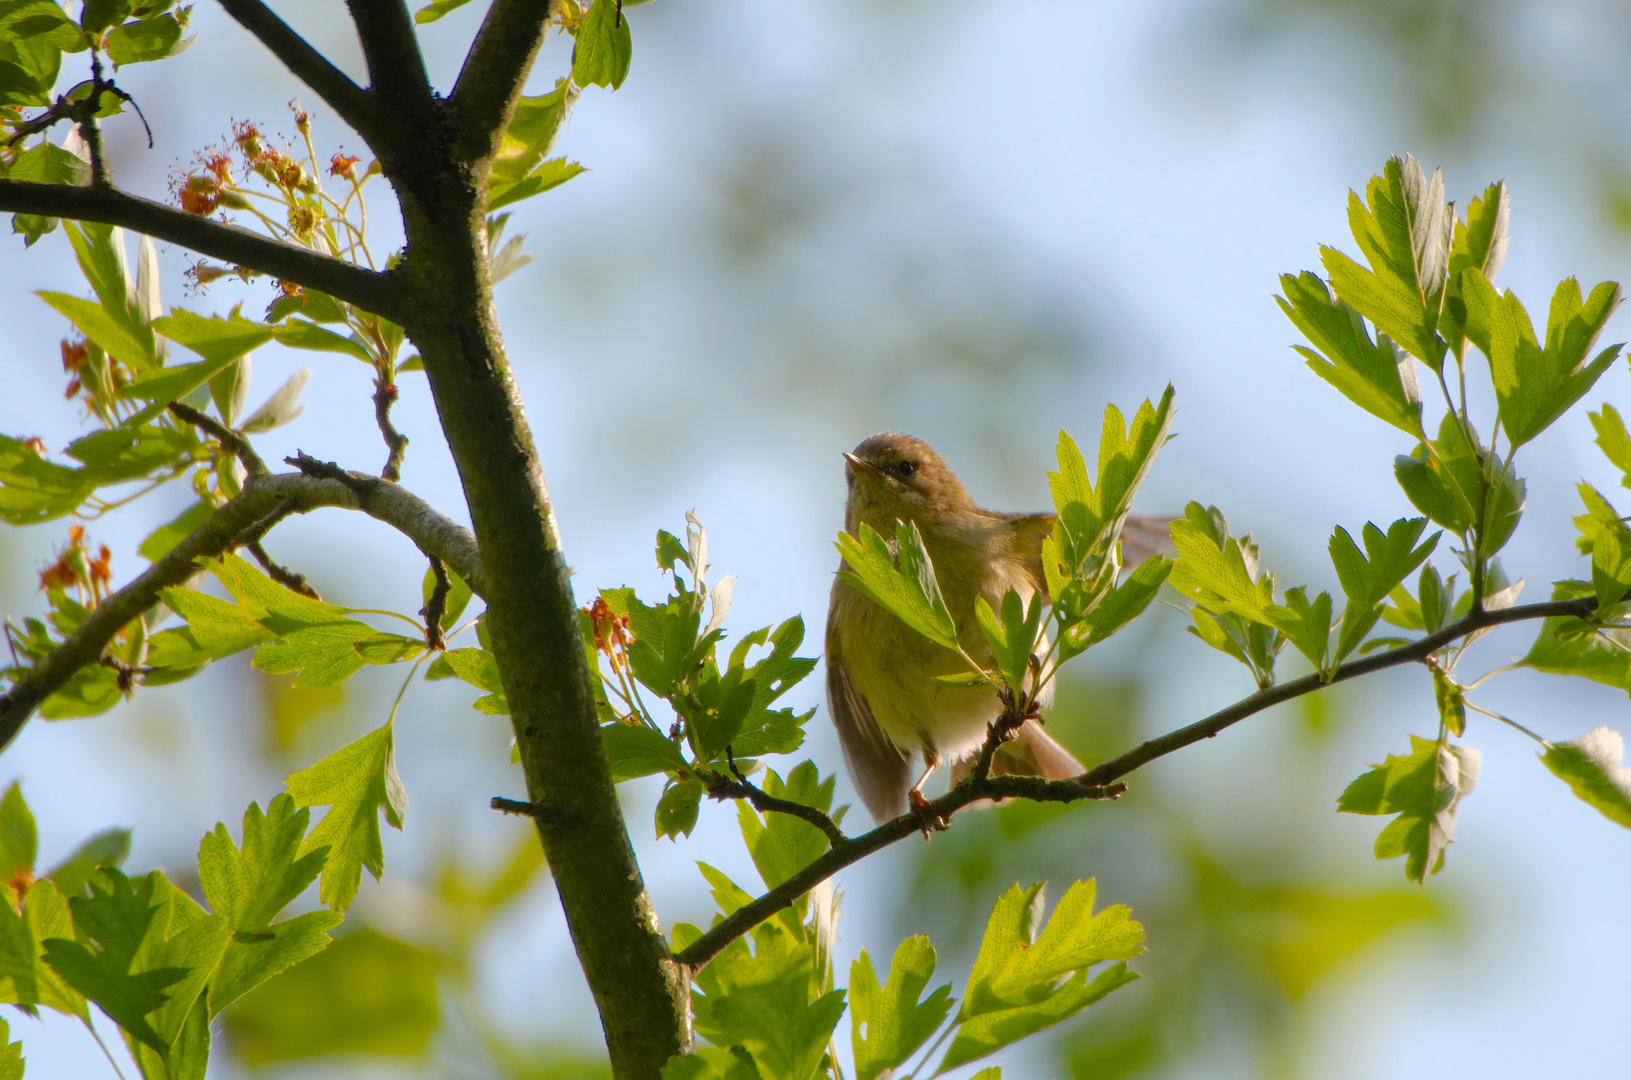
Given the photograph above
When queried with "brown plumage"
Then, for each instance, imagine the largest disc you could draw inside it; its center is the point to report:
(880, 688)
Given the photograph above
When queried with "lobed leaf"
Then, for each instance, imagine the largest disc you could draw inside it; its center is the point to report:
(355, 783)
(1590, 765)
(888, 1023)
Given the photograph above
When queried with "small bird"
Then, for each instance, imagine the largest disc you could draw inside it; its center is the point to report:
(880, 673)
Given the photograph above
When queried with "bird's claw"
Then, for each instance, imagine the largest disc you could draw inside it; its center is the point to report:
(927, 819)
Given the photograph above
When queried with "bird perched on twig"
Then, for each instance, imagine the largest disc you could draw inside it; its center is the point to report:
(881, 691)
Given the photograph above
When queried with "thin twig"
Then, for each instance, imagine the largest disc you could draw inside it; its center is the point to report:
(232, 440)
(723, 787)
(360, 483)
(1099, 782)
(527, 809)
(88, 129)
(281, 574)
(396, 443)
(436, 607)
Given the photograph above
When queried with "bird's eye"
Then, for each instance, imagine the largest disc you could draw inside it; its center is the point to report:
(903, 469)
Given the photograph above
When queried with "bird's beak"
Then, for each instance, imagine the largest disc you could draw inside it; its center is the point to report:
(861, 463)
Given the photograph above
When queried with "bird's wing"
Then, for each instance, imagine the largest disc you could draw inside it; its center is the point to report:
(881, 772)
(1144, 535)
(1029, 532)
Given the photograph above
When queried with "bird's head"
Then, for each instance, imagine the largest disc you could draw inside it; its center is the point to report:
(896, 477)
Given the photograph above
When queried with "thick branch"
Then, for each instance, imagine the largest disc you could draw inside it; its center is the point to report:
(348, 100)
(495, 69)
(261, 498)
(396, 68)
(367, 289)
(1098, 782)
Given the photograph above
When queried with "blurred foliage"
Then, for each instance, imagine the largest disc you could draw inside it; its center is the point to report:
(1250, 921)
(1465, 77)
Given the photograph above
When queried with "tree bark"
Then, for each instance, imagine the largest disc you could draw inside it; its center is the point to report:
(532, 619)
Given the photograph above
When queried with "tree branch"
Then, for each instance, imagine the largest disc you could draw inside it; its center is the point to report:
(396, 68)
(723, 787)
(228, 438)
(262, 497)
(369, 290)
(348, 100)
(1099, 782)
(495, 70)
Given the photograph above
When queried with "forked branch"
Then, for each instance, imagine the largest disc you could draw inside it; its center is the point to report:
(348, 100)
(237, 522)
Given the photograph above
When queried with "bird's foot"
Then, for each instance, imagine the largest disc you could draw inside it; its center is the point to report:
(927, 819)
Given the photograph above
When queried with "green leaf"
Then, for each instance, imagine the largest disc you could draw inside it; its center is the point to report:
(315, 1009)
(106, 849)
(145, 954)
(1091, 515)
(25, 978)
(1370, 374)
(458, 596)
(146, 39)
(1452, 706)
(431, 12)
(1404, 230)
(677, 809)
(604, 47)
(1424, 788)
(301, 334)
(1480, 243)
(163, 539)
(888, 1023)
(108, 330)
(908, 591)
(1574, 647)
(1367, 577)
(19, 839)
(1590, 765)
(250, 887)
(1013, 990)
(1613, 440)
(355, 783)
(982, 1035)
(1122, 604)
(545, 176)
(215, 628)
(1306, 625)
(11, 1055)
(1534, 385)
(34, 489)
(1013, 636)
(100, 251)
(634, 750)
(1217, 571)
(117, 455)
(730, 896)
(764, 1003)
(217, 340)
(49, 163)
(781, 845)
